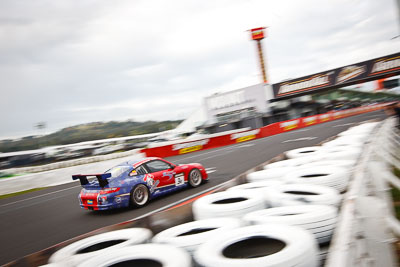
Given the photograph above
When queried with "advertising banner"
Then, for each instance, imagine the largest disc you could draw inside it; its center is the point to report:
(340, 77)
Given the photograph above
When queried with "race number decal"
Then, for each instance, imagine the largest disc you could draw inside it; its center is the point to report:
(179, 179)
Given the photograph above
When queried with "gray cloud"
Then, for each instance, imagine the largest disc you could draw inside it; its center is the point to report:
(67, 62)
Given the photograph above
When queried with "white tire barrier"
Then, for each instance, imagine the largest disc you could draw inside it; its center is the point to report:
(269, 174)
(290, 162)
(190, 235)
(342, 155)
(303, 152)
(256, 185)
(299, 194)
(142, 255)
(96, 245)
(346, 142)
(320, 220)
(228, 204)
(334, 149)
(260, 245)
(362, 129)
(357, 137)
(347, 164)
(323, 254)
(332, 176)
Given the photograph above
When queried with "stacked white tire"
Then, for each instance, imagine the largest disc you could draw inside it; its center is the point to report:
(320, 220)
(260, 246)
(268, 174)
(300, 194)
(192, 234)
(259, 186)
(303, 152)
(291, 162)
(96, 245)
(142, 255)
(331, 176)
(347, 164)
(228, 204)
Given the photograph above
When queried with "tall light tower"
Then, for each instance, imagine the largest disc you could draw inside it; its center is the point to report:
(257, 34)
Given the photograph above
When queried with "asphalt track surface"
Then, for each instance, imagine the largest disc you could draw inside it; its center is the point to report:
(38, 220)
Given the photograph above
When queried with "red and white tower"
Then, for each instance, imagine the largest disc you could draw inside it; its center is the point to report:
(257, 34)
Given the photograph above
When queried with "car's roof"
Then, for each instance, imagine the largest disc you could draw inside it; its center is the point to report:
(137, 162)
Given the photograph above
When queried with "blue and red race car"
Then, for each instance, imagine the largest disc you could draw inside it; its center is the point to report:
(134, 183)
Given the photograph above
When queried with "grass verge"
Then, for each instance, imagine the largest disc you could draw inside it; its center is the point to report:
(21, 192)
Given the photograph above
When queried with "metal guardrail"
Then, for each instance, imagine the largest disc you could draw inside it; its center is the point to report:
(367, 227)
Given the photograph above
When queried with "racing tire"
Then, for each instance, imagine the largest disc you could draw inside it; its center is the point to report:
(142, 255)
(228, 204)
(96, 245)
(191, 235)
(139, 196)
(260, 245)
(195, 178)
(320, 220)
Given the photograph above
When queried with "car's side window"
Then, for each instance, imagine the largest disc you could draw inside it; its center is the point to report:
(141, 170)
(157, 165)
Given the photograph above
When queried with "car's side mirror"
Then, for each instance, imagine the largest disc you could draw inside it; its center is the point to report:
(172, 166)
(133, 173)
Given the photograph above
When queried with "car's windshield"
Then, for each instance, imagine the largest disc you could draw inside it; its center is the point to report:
(118, 170)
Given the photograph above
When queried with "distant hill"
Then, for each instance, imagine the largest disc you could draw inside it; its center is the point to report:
(87, 132)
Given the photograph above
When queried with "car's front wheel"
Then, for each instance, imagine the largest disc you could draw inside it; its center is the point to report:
(195, 178)
(139, 196)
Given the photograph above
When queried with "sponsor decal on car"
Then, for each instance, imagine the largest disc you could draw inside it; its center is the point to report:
(149, 179)
(310, 120)
(289, 125)
(245, 136)
(89, 202)
(190, 147)
(170, 175)
(179, 179)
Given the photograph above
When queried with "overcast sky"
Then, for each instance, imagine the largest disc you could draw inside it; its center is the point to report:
(67, 62)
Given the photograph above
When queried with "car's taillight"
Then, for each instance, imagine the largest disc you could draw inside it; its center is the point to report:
(109, 190)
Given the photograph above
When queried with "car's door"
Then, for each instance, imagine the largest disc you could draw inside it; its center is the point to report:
(164, 175)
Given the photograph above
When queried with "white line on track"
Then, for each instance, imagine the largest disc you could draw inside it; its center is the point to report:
(299, 130)
(342, 125)
(211, 170)
(22, 200)
(300, 139)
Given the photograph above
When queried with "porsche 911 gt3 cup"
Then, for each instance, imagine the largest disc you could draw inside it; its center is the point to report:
(134, 183)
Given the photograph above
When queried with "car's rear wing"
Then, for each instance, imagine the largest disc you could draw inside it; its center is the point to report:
(102, 178)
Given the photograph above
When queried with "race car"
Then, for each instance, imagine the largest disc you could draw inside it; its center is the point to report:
(134, 183)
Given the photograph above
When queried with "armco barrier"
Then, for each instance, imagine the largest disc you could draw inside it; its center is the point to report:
(180, 148)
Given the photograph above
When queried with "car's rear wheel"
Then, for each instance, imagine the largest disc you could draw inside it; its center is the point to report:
(195, 178)
(139, 195)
